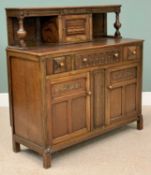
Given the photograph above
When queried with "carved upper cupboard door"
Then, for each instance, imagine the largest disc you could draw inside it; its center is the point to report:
(68, 106)
(76, 28)
(122, 93)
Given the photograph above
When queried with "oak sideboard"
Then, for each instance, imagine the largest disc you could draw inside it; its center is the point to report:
(69, 80)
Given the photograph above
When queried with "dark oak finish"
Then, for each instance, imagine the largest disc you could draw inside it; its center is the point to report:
(68, 80)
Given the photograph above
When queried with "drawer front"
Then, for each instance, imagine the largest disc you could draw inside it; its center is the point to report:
(76, 28)
(59, 64)
(97, 58)
(132, 52)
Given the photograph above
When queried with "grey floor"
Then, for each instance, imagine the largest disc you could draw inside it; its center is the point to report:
(124, 151)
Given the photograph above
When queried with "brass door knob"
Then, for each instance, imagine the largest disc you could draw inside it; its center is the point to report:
(134, 52)
(89, 93)
(116, 55)
(85, 60)
(61, 64)
(110, 87)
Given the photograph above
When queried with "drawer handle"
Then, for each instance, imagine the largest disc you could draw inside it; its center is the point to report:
(110, 87)
(61, 64)
(134, 52)
(89, 93)
(85, 60)
(116, 55)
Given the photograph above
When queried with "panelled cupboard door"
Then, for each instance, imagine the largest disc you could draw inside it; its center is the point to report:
(122, 93)
(68, 106)
(76, 28)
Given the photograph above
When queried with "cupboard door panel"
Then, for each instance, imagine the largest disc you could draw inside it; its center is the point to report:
(69, 107)
(116, 103)
(122, 93)
(98, 98)
(60, 119)
(130, 93)
(78, 111)
(76, 28)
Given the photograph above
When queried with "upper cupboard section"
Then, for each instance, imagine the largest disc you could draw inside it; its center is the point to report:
(30, 27)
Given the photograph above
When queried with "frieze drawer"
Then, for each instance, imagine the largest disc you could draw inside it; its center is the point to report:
(97, 58)
(59, 64)
(132, 52)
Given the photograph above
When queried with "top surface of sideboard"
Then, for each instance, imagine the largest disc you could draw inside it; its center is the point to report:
(47, 50)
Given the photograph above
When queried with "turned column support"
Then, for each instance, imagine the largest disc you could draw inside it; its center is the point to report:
(117, 26)
(21, 33)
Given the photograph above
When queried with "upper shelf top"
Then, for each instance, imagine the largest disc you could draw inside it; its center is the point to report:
(31, 12)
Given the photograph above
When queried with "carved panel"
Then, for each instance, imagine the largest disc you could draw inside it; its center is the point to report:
(76, 28)
(65, 88)
(97, 58)
(124, 74)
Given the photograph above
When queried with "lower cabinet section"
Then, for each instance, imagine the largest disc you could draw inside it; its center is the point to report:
(83, 102)
(54, 109)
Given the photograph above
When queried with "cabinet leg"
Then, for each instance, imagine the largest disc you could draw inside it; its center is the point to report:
(140, 122)
(47, 158)
(16, 146)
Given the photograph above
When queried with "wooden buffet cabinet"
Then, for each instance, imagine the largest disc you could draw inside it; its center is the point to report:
(68, 80)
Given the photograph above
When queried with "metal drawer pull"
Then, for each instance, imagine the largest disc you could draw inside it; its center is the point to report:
(61, 64)
(134, 52)
(116, 55)
(85, 60)
(110, 87)
(89, 93)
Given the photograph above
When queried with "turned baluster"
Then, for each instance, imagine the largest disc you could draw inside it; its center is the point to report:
(117, 26)
(21, 33)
